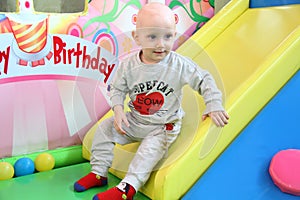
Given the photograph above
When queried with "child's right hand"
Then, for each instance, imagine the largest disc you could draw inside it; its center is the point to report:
(120, 118)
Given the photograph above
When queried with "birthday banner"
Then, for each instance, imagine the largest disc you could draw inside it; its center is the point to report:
(63, 55)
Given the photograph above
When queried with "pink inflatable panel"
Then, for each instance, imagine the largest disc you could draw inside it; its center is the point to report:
(285, 171)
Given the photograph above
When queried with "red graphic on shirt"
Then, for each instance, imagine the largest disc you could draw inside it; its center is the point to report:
(148, 104)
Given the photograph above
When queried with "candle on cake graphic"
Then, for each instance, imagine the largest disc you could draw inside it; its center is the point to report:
(32, 44)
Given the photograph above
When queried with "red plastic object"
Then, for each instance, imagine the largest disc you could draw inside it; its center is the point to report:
(285, 171)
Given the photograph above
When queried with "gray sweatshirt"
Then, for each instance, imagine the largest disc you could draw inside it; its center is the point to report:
(155, 90)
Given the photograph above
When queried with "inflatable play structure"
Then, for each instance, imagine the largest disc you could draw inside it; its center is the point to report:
(251, 48)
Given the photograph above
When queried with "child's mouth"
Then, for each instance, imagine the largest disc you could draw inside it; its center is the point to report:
(159, 52)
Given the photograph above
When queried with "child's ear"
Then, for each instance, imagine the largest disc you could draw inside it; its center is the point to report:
(135, 37)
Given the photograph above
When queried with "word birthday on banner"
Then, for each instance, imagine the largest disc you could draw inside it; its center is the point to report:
(66, 55)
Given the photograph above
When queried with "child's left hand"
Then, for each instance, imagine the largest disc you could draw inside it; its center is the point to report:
(220, 118)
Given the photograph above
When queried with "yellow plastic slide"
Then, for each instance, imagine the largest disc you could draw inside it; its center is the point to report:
(251, 53)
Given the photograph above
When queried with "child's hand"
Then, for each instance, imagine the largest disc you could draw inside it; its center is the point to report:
(220, 118)
(120, 118)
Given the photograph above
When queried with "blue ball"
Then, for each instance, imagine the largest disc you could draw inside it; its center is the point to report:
(24, 166)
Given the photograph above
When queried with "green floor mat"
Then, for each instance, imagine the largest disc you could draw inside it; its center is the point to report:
(56, 184)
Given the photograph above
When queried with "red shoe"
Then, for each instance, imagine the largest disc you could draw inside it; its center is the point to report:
(89, 181)
(123, 191)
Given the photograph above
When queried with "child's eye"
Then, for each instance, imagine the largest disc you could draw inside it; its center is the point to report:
(168, 36)
(152, 37)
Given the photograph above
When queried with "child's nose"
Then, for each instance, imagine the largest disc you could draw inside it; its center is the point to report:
(160, 43)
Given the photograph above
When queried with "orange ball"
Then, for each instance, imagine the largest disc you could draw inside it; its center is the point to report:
(44, 162)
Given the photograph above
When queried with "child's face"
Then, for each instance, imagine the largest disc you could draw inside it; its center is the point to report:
(156, 43)
(155, 32)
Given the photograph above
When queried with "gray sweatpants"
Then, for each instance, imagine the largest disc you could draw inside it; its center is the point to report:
(155, 140)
